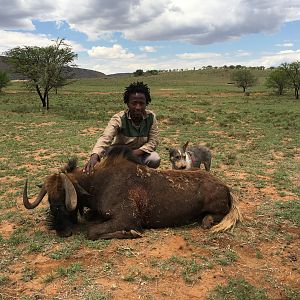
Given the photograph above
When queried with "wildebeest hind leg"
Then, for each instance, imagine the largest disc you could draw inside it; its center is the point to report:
(211, 219)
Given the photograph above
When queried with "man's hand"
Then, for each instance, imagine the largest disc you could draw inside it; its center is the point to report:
(89, 166)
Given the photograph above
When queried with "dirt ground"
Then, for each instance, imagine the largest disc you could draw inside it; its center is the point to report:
(126, 269)
(182, 263)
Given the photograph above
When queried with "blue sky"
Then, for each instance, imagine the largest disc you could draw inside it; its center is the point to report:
(113, 36)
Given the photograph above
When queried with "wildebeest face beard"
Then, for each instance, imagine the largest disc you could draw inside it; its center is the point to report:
(60, 220)
(50, 220)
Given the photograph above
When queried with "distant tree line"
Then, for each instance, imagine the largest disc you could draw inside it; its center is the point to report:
(45, 68)
(284, 77)
(140, 72)
(209, 67)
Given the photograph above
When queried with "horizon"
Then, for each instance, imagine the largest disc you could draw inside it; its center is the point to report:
(117, 37)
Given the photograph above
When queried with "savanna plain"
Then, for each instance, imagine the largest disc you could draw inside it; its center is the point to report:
(255, 143)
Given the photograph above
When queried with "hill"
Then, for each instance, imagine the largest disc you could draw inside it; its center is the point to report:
(7, 68)
(76, 72)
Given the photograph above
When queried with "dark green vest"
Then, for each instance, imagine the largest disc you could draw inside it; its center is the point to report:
(129, 130)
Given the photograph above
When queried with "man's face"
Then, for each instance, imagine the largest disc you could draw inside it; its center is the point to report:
(137, 105)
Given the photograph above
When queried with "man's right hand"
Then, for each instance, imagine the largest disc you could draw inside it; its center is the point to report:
(89, 166)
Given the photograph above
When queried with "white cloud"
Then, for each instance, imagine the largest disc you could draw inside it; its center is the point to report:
(212, 21)
(114, 52)
(215, 20)
(242, 53)
(149, 49)
(286, 52)
(147, 20)
(18, 14)
(197, 55)
(274, 60)
(11, 39)
(285, 45)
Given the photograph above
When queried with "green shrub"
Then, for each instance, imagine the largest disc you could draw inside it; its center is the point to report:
(4, 80)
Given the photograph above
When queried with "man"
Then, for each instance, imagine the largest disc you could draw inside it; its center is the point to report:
(135, 127)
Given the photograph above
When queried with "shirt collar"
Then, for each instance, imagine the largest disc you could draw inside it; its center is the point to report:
(145, 116)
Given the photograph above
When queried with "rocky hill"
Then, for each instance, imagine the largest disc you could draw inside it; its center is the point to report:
(76, 72)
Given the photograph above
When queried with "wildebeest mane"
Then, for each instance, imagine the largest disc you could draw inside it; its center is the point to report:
(117, 153)
(70, 166)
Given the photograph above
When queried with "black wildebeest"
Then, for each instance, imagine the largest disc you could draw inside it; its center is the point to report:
(128, 197)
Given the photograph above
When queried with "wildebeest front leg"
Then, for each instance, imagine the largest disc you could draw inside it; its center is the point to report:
(113, 228)
(131, 234)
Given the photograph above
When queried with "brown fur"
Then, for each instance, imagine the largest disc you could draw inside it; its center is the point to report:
(139, 197)
(54, 185)
(129, 197)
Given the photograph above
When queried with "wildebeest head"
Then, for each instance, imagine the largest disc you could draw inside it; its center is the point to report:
(62, 198)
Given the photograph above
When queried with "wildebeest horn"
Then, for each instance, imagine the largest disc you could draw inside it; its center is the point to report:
(71, 195)
(37, 201)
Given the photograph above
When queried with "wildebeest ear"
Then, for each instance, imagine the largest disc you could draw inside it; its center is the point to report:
(185, 145)
(82, 191)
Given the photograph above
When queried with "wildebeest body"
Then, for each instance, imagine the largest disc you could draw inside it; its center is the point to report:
(127, 197)
(139, 197)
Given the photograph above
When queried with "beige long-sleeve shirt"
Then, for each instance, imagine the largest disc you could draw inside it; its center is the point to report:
(120, 130)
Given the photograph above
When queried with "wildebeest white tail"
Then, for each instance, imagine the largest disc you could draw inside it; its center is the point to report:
(230, 219)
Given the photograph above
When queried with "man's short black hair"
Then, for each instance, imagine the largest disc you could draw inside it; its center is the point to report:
(137, 87)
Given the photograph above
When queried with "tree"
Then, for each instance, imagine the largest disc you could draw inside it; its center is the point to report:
(138, 72)
(44, 67)
(4, 80)
(151, 72)
(243, 78)
(278, 80)
(293, 72)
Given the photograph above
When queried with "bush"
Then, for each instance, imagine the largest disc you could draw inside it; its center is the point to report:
(4, 80)
(138, 72)
(243, 78)
(278, 80)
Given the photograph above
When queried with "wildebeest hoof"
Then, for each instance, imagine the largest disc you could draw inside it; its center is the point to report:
(92, 236)
(207, 222)
(65, 233)
(135, 233)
